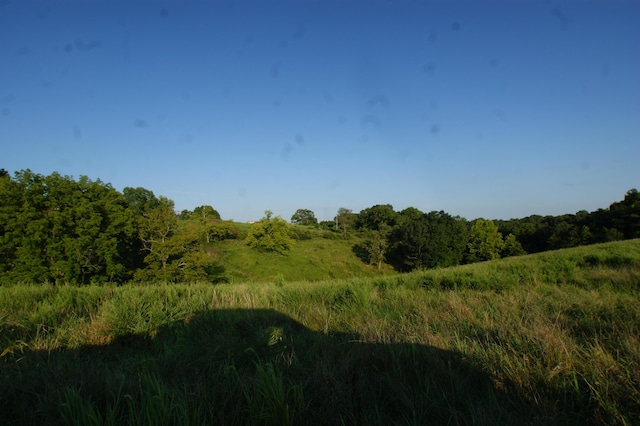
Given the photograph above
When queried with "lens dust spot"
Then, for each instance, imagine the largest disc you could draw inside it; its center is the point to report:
(564, 20)
(381, 100)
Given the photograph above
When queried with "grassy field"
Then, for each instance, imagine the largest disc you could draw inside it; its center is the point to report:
(315, 255)
(552, 338)
(312, 259)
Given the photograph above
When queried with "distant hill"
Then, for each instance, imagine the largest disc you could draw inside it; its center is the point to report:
(322, 256)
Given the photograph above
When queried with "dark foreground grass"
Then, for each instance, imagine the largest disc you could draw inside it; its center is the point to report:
(546, 339)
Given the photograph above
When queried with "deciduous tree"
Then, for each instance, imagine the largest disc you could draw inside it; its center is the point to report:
(485, 241)
(344, 219)
(206, 212)
(431, 240)
(377, 216)
(271, 234)
(377, 244)
(304, 217)
(512, 247)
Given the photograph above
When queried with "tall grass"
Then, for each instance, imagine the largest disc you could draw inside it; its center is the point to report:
(551, 338)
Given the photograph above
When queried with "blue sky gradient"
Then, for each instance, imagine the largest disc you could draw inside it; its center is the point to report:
(495, 109)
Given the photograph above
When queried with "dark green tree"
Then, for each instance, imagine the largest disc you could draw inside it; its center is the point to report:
(185, 214)
(56, 228)
(431, 240)
(304, 217)
(448, 236)
(512, 247)
(625, 215)
(408, 240)
(376, 217)
(140, 200)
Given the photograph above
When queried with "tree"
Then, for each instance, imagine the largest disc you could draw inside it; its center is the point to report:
(408, 240)
(140, 200)
(377, 216)
(156, 229)
(271, 234)
(447, 239)
(625, 214)
(304, 217)
(56, 228)
(206, 212)
(431, 240)
(344, 219)
(377, 245)
(512, 247)
(485, 241)
(218, 230)
(209, 221)
(23, 227)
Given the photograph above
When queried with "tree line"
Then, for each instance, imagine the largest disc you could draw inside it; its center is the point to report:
(58, 229)
(411, 239)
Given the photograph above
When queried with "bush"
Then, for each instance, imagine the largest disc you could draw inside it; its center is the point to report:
(271, 235)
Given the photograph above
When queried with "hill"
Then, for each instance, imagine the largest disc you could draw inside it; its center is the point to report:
(550, 338)
(321, 255)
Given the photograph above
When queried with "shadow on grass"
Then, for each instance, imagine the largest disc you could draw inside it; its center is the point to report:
(361, 252)
(250, 367)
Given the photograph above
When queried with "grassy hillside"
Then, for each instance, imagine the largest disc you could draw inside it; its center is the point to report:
(322, 256)
(551, 338)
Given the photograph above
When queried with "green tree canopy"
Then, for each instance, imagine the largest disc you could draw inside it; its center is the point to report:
(512, 247)
(304, 217)
(625, 214)
(140, 200)
(344, 219)
(56, 228)
(206, 212)
(420, 240)
(270, 234)
(485, 241)
(377, 245)
(377, 216)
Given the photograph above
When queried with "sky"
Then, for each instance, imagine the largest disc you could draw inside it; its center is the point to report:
(496, 109)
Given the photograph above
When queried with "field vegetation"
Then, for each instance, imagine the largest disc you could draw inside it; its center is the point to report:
(61, 230)
(548, 338)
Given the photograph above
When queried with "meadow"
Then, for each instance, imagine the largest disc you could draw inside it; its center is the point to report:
(550, 338)
(316, 256)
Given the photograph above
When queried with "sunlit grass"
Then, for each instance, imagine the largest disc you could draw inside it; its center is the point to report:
(549, 338)
(308, 260)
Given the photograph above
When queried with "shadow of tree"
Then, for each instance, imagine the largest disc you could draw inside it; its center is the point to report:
(361, 252)
(254, 366)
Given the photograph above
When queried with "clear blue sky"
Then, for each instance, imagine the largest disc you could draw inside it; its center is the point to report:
(494, 109)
